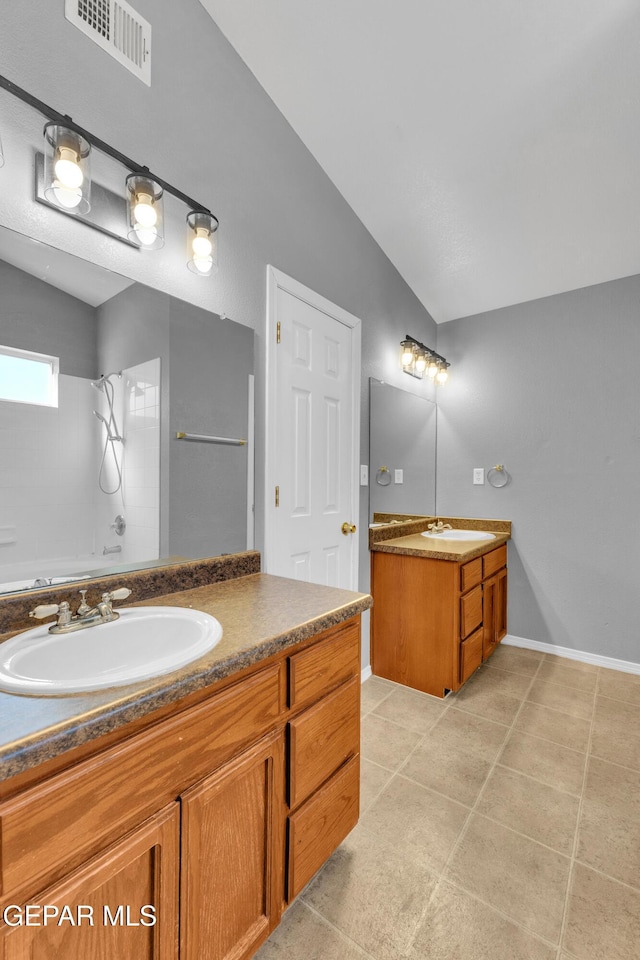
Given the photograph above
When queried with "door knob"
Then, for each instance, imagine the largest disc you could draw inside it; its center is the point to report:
(348, 528)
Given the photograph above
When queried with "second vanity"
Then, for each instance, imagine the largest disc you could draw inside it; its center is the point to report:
(181, 816)
(440, 605)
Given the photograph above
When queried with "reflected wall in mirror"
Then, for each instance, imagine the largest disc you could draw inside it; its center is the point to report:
(402, 436)
(135, 367)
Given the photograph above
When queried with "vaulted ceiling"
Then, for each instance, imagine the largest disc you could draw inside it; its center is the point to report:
(491, 147)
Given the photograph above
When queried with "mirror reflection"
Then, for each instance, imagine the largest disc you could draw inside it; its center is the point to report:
(402, 451)
(98, 374)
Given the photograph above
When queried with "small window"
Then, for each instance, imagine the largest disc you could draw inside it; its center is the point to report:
(27, 377)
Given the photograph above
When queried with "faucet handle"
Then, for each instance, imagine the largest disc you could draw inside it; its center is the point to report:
(44, 610)
(121, 593)
(83, 606)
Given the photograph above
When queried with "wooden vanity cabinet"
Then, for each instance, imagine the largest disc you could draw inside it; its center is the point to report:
(213, 817)
(435, 621)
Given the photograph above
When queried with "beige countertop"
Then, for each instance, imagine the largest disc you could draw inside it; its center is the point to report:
(406, 538)
(260, 615)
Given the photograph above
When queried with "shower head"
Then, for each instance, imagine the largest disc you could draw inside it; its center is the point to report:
(100, 417)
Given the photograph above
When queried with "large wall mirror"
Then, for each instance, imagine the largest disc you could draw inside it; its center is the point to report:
(402, 437)
(92, 476)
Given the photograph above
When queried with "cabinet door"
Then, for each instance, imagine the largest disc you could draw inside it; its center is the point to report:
(122, 904)
(494, 612)
(231, 884)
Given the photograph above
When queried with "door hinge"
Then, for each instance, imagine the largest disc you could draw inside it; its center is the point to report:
(278, 332)
(277, 496)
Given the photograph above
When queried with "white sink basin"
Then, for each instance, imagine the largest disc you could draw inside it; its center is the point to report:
(459, 535)
(144, 642)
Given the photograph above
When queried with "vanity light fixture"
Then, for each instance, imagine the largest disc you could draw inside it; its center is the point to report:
(146, 211)
(417, 360)
(202, 240)
(137, 217)
(67, 179)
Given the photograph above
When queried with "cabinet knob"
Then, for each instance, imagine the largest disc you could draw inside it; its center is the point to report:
(348, 528)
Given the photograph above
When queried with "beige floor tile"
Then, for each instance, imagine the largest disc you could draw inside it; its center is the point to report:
(373, 691)
(569, 700)
(417, 822)
(411, 709)
(458, 775)
(515, 660)
(302, 933)
(609, 828)
(619, 686)
(625, 715)
(616, 743)
(603, 920)
(459, 927)
(517, 876)
(546, 761)
(386, 743)
(573, 664)
(373, 779)
(460, 730)
(490, 698)
(550, 724)
(372, 894)
(566, 675)
(539, 811)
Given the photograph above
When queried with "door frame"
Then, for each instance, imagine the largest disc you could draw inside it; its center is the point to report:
(276, 280)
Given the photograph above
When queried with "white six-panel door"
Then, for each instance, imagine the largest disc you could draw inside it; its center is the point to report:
(313, 366)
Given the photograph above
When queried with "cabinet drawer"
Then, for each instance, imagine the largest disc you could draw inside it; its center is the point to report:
(470, 574)
(470, 654)
(322, 823)
(322, 738)
(470, 611)
(493, 561)
(318, 669)
(93, 803)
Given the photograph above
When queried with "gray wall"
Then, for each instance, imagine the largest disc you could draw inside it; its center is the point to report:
(551, 389)
(208, 127)
(36, 316)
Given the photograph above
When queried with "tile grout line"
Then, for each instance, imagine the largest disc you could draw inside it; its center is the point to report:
(573, 858)
(463, 831)
(336, 930)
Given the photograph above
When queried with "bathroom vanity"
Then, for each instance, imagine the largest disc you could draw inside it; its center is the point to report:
(179, 817)
(440, 606)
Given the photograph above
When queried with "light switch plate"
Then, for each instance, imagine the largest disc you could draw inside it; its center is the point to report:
(478, 474)
(364, 475)
(398, 476)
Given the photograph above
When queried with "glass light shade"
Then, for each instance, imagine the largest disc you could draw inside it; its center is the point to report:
(202, 243)
(67, 173)
(145, 206)
(406, 358)
(421, 363)
(432, 369)
(442, 375)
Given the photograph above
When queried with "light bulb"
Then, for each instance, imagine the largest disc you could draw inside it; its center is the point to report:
(442, 375)
(144, 211)
(66, 196)
(67, 169)
(146, 235)
(407, 357)
(203, 264)
(421, 363)
(432, 370)
(201, 244)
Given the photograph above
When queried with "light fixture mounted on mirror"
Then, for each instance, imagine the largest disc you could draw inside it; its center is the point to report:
(419, 361)
(63, 181)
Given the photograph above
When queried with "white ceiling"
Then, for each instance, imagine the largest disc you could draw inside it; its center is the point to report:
(491, 147)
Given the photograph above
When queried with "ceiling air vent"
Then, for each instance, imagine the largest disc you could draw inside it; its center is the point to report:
(118, 29)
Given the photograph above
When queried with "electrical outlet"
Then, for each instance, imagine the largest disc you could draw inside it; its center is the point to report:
(364, 475)
(398, 476)
(478, 474)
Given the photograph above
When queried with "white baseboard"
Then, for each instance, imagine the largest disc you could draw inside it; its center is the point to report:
(366, 673)
(625, 666)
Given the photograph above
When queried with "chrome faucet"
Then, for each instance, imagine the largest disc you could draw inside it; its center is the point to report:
(85, 616)
(439, 526)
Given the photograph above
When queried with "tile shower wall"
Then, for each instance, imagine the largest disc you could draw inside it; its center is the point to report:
(137, 409)
(47, 478)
